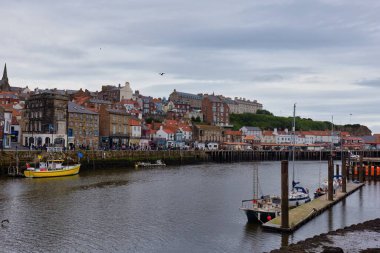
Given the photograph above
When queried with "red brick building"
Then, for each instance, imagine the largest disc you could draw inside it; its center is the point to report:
(215, 111)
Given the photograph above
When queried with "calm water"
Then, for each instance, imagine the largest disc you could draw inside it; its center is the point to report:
(175, 209)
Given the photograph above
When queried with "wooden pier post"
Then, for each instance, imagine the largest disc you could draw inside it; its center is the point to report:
(284, 195)
(375, 172)
(348, 168)
(361, 170)
(330, 176)
(344, 174)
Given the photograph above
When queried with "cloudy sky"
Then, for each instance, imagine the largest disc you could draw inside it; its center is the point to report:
(322, 54)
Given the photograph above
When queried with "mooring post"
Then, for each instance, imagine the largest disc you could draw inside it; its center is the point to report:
(284, 195)
(344, 174)
(361, 170)
(330, 175)
(374, 172)
(348, 166)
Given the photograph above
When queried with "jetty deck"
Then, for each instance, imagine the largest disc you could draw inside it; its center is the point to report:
(302, 214)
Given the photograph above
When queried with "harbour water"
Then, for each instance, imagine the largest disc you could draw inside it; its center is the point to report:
(193, 208)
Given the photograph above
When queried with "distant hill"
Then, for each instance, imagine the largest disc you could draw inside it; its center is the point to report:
(267, 121)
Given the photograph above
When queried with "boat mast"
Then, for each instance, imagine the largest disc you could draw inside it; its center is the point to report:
(255, 181)
(294, 138)
(332, 133)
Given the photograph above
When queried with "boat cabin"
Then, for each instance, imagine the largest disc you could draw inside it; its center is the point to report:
(51, 165)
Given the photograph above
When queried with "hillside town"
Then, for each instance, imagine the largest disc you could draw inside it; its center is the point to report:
(118, 118)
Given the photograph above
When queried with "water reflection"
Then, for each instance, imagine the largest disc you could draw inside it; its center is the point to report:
(179, 209)
(285, 239)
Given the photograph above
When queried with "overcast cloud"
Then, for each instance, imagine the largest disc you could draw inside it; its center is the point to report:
(321, 54)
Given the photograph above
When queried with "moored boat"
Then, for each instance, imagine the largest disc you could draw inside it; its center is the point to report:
(158, 163)
(51, 168)
(320, 192)
(298, 195)
(261, 210)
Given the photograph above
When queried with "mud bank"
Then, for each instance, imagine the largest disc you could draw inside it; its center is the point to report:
(362, 237)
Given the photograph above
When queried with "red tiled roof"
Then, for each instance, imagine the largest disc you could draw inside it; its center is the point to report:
(134, 122)
(231, 132)
(171, 122)
(168, 131)
(250, 137)
(186, 128)
(267, 133)
(151, 131)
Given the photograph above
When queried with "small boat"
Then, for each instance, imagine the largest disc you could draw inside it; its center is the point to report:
(320, 192)
(337, 182)
(261, 210)
(158, 163)
(51, 168)
(353, 156)
(298, 195)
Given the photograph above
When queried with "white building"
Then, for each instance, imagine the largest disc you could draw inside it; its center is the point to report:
(251, 131)
(7, 129)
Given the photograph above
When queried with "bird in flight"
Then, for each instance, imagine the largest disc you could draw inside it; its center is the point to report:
(161, 74)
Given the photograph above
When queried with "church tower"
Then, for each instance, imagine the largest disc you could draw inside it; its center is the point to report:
(4, 84)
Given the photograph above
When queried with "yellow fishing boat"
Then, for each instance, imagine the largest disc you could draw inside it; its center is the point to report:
(51, 168)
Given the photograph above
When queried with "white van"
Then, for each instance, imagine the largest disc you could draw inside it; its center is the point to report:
(212, 146)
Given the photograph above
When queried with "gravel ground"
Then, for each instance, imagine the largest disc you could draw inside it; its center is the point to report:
(362, 237)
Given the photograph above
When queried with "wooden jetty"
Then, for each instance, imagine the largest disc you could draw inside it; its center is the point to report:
(302, 214)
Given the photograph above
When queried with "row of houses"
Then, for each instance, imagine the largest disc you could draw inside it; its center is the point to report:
(50, 118)
(117, 117)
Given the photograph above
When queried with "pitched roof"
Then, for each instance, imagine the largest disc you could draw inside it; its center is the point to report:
(186, 128)
(213, 98)
(116, 111)
(250, 137)
(75, 108)
(189, 95)
(134, 122)
(231, 132)
(251, 128)
(168, 131)
(208, 127)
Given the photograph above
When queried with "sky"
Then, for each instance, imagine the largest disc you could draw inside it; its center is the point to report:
(321, 54)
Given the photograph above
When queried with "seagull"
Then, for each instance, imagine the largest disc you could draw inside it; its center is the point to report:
(161, 74)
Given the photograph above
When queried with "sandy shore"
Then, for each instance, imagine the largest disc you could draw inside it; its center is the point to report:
(362, 237)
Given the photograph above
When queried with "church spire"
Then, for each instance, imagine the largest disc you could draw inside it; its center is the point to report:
(5, 74)
(4, 84)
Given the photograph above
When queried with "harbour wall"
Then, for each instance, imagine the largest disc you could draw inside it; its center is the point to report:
(127, 158)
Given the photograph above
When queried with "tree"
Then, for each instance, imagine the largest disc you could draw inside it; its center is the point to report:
(265, 112)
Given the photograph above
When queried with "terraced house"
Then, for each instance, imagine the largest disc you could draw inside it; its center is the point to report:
(83, 127)
(45, 116)
(113, 128)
